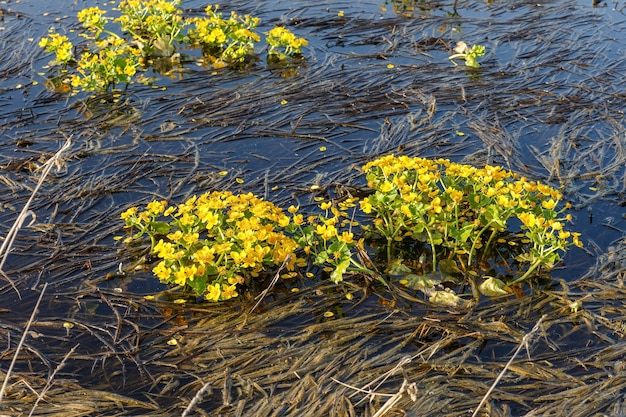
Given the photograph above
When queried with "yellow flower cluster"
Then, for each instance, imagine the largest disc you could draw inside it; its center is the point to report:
(60, 45)
(327, 238)
(114, 63)
(282, 41)
(155, 25)
(218, 241)
(93, 19)
(214, 242)
(225, 41)
(441, 201)
(151, 33)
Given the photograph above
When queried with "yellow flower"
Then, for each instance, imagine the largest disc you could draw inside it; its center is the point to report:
(386, 187)
(456, 195)
(346, 237)
(165, 250)
(548, 204)
(191, 238)
(436, 204)
(229, 291)
(326, 231)
(180, 276)
(156, 207)
(556, 225)
(162, 271)
(129, 70)
(187, 219)
(325, 205)
(129, 213)
(529, 219)
(213, 292)
(205, 255)
(177, 235)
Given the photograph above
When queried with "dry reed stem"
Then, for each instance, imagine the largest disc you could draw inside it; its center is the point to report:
(12, 234)
(50, 379)
(271, 284)
(196, 398)
(21, 343)
(523, 342)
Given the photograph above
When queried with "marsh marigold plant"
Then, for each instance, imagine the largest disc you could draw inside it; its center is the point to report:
(118, 49)
(461, 216)
(460, 211)
(214, 243)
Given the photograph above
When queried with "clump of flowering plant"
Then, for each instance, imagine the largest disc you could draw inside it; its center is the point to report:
(460, 215)
(328, 239)
(155, 25)
(60, 45)
(214, 243)
(461, 211)
(283, 44)
(150, 33)
(225, 41)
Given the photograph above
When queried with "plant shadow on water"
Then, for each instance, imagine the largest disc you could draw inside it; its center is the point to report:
(546, 103)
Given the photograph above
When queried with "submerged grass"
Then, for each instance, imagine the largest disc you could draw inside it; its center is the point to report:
(285, 359)
(546, 103)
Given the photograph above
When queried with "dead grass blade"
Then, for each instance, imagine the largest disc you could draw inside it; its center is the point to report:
(21, 343)
(523, 343)
(10, 237)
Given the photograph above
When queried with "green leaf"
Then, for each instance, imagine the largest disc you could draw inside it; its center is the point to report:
(198, 285)
(337, 275)
(471, 62)
(493, 215)
(321, 258)
(492, 287)
(396, 267)
(160, 228)
(461, 235)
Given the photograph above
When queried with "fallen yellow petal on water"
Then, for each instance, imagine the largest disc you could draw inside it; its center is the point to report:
(172, 342)
(329, 314)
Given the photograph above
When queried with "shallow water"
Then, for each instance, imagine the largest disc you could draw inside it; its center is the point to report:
(548, 102)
